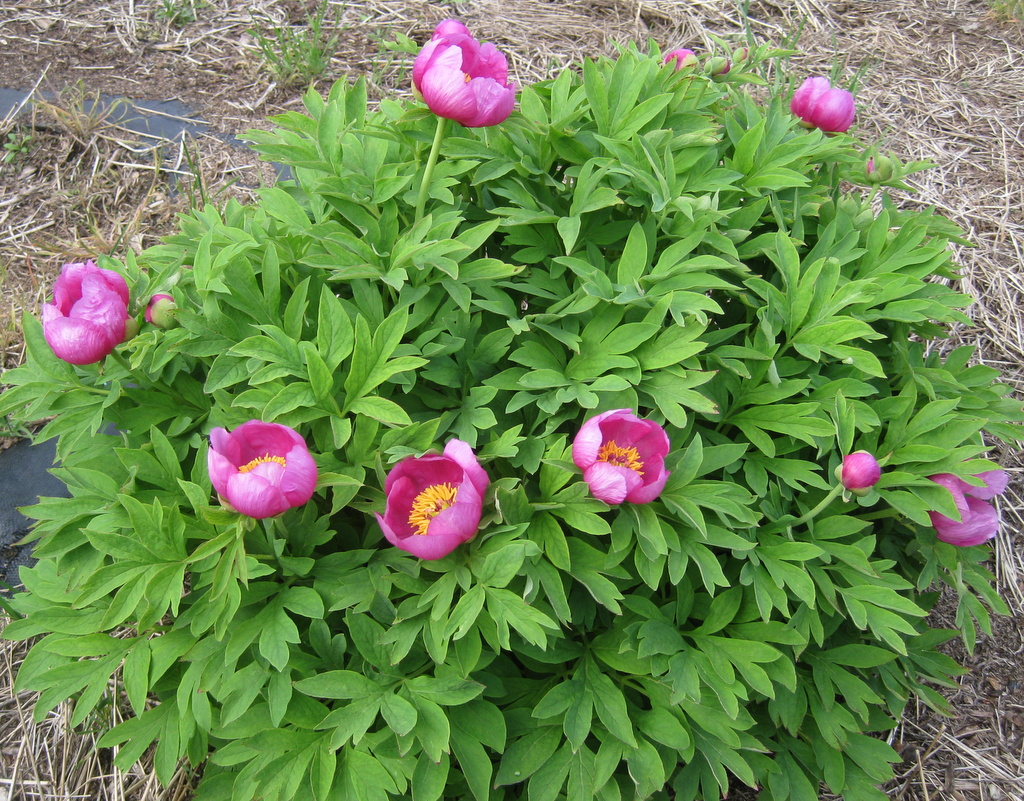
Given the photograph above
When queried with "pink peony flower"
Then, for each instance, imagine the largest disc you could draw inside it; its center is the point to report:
(979, 520)
(860, 472)
(681, 57)
(622, 457)
(160, 311)
(434, 502)
(261, 469)
(463, 80)
(86, 320)
(820, 105)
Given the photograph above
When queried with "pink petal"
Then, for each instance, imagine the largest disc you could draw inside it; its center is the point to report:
(429, 546)
(651, 489)
(463, 455)
(460, 520)
(590, 439)
(445, 89)
(807, 96)
(424, 471)
(485, 61)
(494, 102)
(995, 484)
(834, 111)
(450, 27)
(223, 443)
(102, 307)
(980, 524)
(256, 438)
(423, 61)
(400, 499)
(76, 341)
(611, 483)
(220, 469)
(954, 484)
(299, 479)
(254, 496)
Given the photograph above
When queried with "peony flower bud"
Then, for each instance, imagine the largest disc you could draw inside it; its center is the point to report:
(740, 54)
(622, 457)
(434, 502)
(161, 311)
(878, 169)
(682, 58)
(718, 67)
(819, 105)
(859, 472)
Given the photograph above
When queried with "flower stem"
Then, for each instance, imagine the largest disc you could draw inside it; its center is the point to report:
(836, 490)
(428, 168)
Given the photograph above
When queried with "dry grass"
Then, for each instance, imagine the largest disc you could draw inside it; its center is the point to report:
(47, 760)
(943, 84)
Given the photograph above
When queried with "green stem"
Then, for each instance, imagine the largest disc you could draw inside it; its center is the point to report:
(836, 490)
(428, 168)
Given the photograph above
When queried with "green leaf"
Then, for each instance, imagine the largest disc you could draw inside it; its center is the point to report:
(399, 713)
(446, 690)
(634, 261)
(525, 756)
(339, 684)
(430, 778)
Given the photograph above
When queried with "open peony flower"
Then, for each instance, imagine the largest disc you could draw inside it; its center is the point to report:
(261, 469)
(979, 519)
(860, 472)
(434, 502)
(823, 106)
(86, 320)
(463, 80)
(622, 457)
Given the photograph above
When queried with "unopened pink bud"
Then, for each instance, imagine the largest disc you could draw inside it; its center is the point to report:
(682, 58)
(860, 472)
(161, 311)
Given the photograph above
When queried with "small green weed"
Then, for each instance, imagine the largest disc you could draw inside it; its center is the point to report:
(180, 12)
(1007, 10)
(17, 145)
(297, 55)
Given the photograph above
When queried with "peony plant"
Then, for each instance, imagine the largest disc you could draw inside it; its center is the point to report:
(616, 373)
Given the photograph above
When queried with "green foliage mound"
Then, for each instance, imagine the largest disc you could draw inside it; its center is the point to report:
(632, 238)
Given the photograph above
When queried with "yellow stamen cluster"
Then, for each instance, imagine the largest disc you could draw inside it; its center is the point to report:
(622, 457)
(245, 468)
(429, 504)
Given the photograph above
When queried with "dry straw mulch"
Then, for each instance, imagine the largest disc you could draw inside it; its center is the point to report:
(942, 83)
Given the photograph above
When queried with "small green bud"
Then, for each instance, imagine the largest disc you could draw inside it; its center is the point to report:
(878, 169)
(718, 66)
(131, 329)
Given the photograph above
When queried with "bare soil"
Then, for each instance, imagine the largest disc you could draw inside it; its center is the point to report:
(942, 82)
